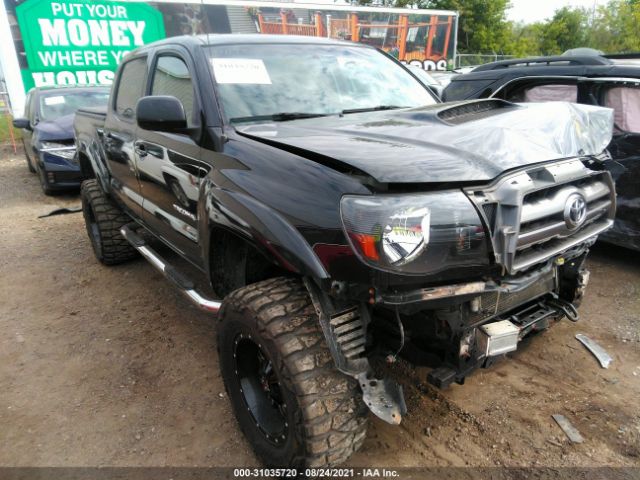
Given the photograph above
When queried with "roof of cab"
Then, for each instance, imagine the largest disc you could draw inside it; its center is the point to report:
(212, 39)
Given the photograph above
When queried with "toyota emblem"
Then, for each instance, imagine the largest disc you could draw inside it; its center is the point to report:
(575, 211)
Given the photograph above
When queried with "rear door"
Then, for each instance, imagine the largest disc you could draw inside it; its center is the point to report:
(623, 95)
(169, 166)
(119, 133)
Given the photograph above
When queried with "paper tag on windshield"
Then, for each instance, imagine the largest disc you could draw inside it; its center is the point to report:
(57, 100)
(240, 71)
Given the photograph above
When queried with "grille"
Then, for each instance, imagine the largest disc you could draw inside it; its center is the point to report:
(542, 216)
(530, 216)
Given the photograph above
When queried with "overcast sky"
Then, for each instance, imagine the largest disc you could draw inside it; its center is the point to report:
(529, 11)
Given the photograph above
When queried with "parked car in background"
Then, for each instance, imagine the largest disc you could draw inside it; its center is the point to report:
(611, 81)
(48, 133)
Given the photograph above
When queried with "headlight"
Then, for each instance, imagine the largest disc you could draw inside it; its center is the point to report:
(415, 233)
(59, 149)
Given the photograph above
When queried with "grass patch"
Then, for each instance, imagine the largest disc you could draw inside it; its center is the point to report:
(5, 130)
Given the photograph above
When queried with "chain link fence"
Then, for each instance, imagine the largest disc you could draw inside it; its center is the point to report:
(472, 59)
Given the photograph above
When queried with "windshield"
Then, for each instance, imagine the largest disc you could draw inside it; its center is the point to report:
(267, 80)
(58, 104)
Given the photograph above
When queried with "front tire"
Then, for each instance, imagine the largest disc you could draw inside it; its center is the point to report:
(30, 166)
(103, 220)
(294, 407)
(46, 189)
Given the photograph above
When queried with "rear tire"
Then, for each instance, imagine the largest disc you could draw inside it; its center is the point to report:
(301, 412)
(103, 220)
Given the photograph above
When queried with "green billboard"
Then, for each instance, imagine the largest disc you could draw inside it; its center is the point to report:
(82, 41)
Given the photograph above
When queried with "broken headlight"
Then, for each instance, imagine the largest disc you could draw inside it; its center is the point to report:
(415, 233)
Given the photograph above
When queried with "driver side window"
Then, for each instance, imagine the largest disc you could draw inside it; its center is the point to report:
(172, 77)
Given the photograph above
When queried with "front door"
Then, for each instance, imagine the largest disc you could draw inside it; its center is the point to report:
(169, 166)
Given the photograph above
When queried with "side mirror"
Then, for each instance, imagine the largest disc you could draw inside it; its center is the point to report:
(161, 114)
(21, 123)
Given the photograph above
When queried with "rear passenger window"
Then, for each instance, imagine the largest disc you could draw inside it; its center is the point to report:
(552, 93)
(131, 85)
(172, 78)
(546, 93)
(625, 102)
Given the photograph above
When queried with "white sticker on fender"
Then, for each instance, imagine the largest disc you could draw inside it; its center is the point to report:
(240, 71)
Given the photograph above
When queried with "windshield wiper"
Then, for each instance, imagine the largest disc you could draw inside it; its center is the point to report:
(371, 109)
(279, 117)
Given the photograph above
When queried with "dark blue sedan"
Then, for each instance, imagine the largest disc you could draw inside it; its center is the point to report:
(48, 133)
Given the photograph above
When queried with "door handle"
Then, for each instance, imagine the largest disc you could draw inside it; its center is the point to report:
(115, 136)
(141, 150)
(145, 149)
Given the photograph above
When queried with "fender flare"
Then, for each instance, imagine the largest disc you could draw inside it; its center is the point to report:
(262, 227)
(99, 169)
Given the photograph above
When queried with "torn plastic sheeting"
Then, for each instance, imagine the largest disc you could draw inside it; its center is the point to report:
(537, 132)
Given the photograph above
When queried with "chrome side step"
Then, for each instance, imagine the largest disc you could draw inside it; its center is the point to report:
(185, 285)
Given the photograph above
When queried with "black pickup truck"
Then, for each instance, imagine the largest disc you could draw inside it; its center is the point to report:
(341, 214)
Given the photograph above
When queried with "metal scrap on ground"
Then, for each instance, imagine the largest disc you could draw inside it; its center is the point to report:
(569, 430)
(603, 357)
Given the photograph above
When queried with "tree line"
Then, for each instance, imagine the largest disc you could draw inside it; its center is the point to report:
(483, 27)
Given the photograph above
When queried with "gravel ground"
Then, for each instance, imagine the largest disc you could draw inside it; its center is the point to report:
(112, 367)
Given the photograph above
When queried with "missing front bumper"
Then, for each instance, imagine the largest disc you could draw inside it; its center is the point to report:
(496, 338)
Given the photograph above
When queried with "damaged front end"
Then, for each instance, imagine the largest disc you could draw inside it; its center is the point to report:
(498, 262)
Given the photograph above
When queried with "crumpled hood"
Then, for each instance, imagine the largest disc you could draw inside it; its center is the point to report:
(467, 141)
(59, 129)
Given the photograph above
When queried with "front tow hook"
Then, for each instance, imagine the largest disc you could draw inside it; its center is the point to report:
(564, 307)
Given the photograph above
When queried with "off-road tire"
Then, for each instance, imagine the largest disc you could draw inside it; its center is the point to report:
(327, 419)
(103, 220)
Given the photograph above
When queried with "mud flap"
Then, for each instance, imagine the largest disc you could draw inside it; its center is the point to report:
(384, 398)
(345, 333)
